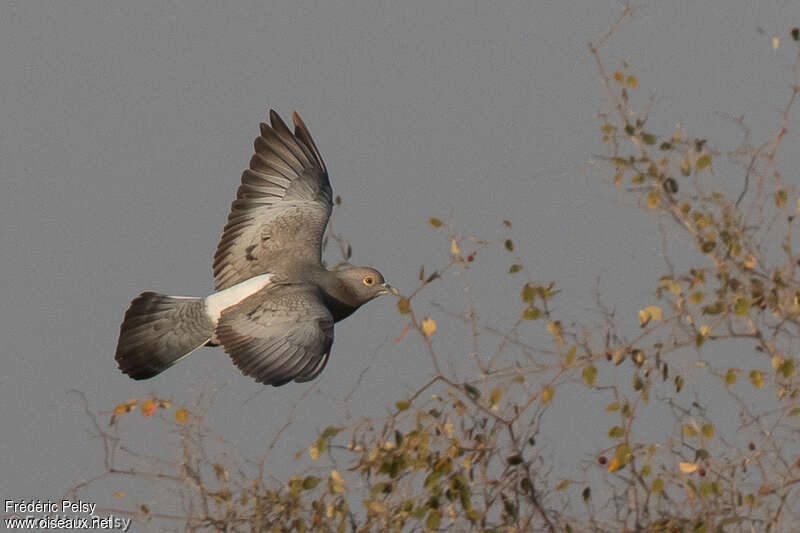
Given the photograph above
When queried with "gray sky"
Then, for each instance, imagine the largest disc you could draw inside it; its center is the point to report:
(124, 127)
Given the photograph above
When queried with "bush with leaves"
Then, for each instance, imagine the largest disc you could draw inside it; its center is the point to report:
(461, 453)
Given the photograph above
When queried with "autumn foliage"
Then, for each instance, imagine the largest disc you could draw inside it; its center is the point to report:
(464, 453)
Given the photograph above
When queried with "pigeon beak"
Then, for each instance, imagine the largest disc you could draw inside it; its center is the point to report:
(389, 289)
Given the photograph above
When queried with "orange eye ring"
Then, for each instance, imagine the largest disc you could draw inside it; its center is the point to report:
(369, 281)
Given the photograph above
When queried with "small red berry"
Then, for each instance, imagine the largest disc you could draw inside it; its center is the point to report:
(601, 460)
(608, 356)
(752, 447)
(470, 258)
(702, 472)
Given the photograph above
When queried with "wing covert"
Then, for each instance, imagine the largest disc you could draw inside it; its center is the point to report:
(280, 334)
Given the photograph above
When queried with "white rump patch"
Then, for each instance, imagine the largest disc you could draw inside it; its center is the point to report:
(219, 301)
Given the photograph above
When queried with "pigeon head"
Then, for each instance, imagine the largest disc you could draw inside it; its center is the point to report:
(363, 283)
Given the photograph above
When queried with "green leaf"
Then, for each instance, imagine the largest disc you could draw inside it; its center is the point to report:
(310, 482)
(330, 431)
(657, 486)
(563, 484)
(570, 358)
(531, 313)
(756, 379)
(622, 453)
(730, 377)
(707, 430)
(509, 244)
(514, 460)
(403, 306)
(781, 197)
(648, 138)
(616, 432)
(787, 368)
(689, 431)
(472, 392)
(589, 374)
(741, 307)
(513, 269)
(402, 405)
(528, 293)
(587, 494)
(432, 521)
(435, 222)
(703, 161)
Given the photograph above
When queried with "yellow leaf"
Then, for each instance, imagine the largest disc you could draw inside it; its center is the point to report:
(703, 161)
(613, 465)
(749, 261)
(495, 396)
(618, 76)
(335, 482)
(120, 409)
(313, 452)
(756, 378)
(632, 82)
(730, 377)
(651, 312)
(547, 394)
(689, 431)
(119, 494)
(704, 330)
(553, 328)
(687, 468)
(180, 415)
(652, 199)
(435, 222)
(696, 297)
(148, 407)
(454, 246)
(775, 43)
(686, 169)
(531, 313)
(428, 327)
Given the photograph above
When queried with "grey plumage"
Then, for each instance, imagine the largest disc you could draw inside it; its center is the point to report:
(275, 304)
(158, 331)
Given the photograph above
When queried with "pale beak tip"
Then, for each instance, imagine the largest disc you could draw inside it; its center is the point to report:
(390, 289)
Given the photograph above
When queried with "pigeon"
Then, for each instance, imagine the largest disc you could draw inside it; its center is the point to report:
(274, 303)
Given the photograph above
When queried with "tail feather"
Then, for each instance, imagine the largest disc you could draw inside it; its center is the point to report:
(160, 330)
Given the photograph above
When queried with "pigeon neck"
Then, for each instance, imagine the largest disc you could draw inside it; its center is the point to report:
(338, 298)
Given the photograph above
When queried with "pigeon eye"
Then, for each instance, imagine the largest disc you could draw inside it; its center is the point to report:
(368, 280)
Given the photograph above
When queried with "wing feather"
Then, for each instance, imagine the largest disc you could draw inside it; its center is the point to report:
(281, 210)
(282, 333)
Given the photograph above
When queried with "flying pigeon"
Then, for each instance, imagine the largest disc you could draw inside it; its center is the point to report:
(274, 304)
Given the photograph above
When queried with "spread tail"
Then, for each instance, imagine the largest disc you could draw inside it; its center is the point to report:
(160, 330)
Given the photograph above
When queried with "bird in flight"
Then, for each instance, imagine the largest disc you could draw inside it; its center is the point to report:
(274, 304)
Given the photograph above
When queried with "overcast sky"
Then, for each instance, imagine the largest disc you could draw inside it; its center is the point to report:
(124, 128)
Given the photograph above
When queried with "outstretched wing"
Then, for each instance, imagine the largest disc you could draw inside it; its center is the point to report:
(281, 209)
(281, 333)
